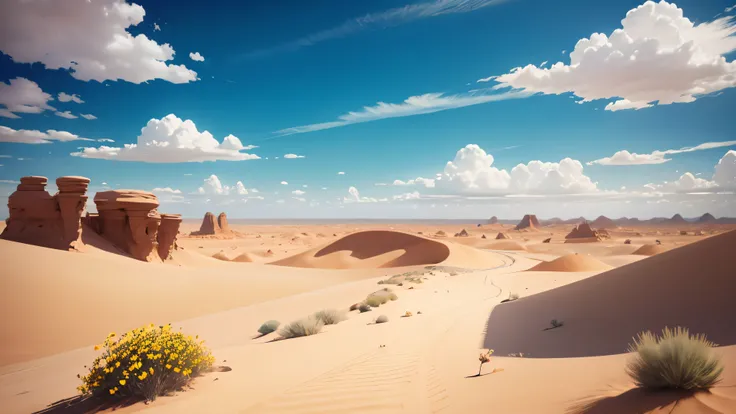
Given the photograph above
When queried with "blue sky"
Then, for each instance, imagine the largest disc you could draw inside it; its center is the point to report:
(272, 66)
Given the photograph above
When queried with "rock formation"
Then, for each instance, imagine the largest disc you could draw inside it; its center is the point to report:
(38, 218)
(707, 218)
(547, 240)
(463, 233)
(502, 236)
(483, 236)
(603, 222)
(167, 232)
(529, 222)
(493, 220)
(213, 226)
(677, 219)
(582, 232)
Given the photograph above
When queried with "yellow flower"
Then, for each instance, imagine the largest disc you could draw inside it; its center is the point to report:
(134, 357)
(97, 347)
(112, 391)
(143, 376)
(177, 370)
(112, 335)
(151, 370)
(122, 382)
(168, 366)
(117, 364)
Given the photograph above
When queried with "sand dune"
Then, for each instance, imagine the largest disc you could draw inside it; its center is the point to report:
(504, 245)
(690, 286)
(382, 249)
(649, 250)
(571, 263)
(245, 258)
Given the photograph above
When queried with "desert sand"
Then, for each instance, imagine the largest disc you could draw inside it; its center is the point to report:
(65, 302)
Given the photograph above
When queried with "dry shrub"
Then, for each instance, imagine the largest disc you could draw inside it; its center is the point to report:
(382, 319)
(303, 327)
(675, 360)
(364, 307)
(145, 363)
(375, 301)
(268, 327)
(330, 316)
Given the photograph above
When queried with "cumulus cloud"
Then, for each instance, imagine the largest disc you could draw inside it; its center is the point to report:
(414, 105)
(65, 97)
(657, 56)
(88, 116)
(407, 196)
(724, 178)
(298, 192)
(21, 95)
(354, 197)
(165, 190)
(426, 182)
(66, 114)
(196, 57)
(284, 183)
(213, 186)
(472, 173)
(171, 140)
(89, 38)
(24, 136)
(625, 157)
(292, 156)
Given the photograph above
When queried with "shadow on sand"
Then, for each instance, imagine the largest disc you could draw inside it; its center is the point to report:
(632, 401)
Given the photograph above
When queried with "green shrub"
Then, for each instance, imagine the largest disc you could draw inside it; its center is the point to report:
(382, 319)
(364, 307)
(375, 301)
(302, 327)
(268, 327)
(676, 360)
(330, 316)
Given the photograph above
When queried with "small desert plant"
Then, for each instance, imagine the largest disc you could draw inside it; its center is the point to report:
(513, 296)
(676, 360)
(483, 358)
(364, 307)
(330, 316)
(145, 363)
(408, 314)
(556, 324)
(382, 319)
(302, 327)
(268, 327)
(376, 300)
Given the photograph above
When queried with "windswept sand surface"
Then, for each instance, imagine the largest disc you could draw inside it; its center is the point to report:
(63, 303)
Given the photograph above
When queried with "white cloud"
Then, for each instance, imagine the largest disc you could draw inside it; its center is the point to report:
(472, 173)
(66, 114)
(24, 136)
(354, 197)
(407, 196)
(386, 18)
(284, 183)
(301, 199)
(724, 178)
(21, 95)
(167, 190)
(298, 192)
(171, 140)
(156, 27)
(64, 97)
(426, 182)
(240, 188)
(89, 38)
(625, 157)
(341, 173)
(88, 116)
(305, 186)
(105, 140)
(414, 105)
(292, 156)
(658, 56)
(196, 57)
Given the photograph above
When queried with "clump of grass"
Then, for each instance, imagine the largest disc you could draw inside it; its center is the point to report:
(382, 319)
(364, 307)
(675, 360)
(375, 301)
(268, 327)
(330, 316)
(302, 327)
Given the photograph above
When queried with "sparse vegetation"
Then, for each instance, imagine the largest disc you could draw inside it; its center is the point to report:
(375, 301)
(145, 363)
(268, 327)
(330, 316)
(483, 358)
(555, 324)
(675, 360)
(392, 296)
(513, 296)
(382, 319)
(303, 327)
(364, 307)
(408, 314)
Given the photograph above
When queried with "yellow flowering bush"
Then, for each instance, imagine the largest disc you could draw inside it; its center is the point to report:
(145, 363)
